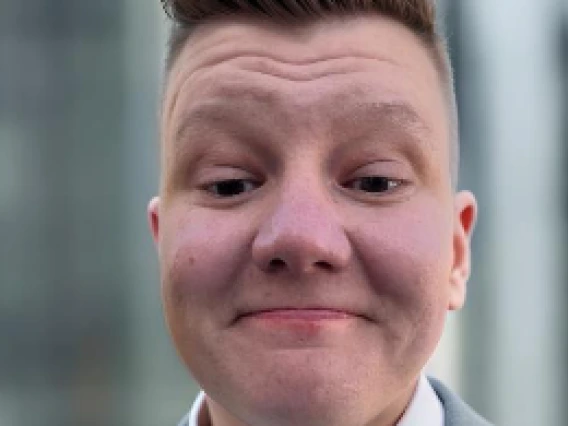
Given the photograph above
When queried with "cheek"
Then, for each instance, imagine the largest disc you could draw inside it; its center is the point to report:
(406, 253)
(198, 264)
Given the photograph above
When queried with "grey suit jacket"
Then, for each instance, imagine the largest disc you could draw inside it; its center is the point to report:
(456, 412)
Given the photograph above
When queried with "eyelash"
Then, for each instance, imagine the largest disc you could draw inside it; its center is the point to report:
(229, 188)
(368, 181)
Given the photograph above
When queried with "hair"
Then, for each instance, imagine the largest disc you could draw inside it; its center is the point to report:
(417, 15)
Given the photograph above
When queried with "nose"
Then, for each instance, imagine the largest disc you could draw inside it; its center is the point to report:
(302, 234)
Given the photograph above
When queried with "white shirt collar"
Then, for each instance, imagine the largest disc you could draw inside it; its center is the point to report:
(197, 409)
(425, 409)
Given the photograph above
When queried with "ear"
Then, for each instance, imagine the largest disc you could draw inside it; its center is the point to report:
(153, 213)
(465, 215)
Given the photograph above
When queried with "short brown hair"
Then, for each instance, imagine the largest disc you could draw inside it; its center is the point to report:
(417, 15)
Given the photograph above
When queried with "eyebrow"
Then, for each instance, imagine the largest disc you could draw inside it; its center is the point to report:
(218, 110)
(398, 112)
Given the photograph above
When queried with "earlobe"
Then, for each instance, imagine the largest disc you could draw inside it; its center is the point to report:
(153, 214)
(465, 215)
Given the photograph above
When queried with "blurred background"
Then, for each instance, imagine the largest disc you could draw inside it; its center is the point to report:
(82, 340)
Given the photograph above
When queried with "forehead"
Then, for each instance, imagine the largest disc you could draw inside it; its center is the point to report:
(321, 68)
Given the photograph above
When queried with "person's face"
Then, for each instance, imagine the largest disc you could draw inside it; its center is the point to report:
(309, 239)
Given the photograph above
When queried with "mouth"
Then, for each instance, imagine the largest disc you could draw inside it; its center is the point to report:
(299, 327)
(299, 314)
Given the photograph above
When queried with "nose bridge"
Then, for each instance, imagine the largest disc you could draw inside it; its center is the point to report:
(299, 203)
(302, 230)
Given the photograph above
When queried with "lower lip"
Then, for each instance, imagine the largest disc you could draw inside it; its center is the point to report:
(291, 328)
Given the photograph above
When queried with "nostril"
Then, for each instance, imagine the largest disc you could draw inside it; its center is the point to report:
(276, 263)
(324, 265)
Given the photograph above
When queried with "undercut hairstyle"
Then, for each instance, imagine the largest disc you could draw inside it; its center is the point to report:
(417, 15)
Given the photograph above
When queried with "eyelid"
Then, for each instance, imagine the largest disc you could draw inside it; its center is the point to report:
(378, 168)
(397, 180)
(225, 185)
(213, 174)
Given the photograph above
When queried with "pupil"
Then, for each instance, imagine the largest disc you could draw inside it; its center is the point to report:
(231, 187)
(374, 184)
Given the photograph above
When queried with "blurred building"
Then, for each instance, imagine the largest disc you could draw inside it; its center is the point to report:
(511, 79)
(83, 341)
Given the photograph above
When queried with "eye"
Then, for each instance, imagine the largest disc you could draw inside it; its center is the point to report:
(374, 184)
(231, 187)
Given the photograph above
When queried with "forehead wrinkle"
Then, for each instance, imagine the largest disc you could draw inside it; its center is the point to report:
(221, 36)
(300, 43)
(217, 46)
(224, 47)
(229, 53)
(268, 63)
(308, 70)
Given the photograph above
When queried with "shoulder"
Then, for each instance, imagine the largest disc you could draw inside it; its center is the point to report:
(456, 411)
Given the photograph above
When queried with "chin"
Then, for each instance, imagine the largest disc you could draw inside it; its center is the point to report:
(314, 407)
(292, 394)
